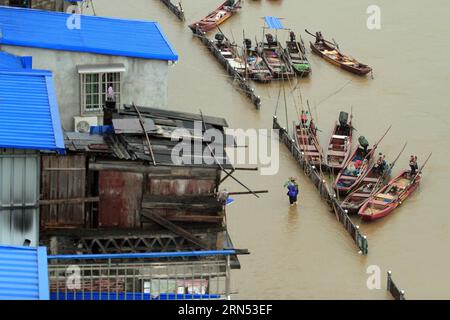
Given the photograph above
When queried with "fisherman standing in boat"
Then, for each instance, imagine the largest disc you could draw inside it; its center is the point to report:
(413, 165)
(303, 118)
(292, 36)
(381, 163)
(292, 193)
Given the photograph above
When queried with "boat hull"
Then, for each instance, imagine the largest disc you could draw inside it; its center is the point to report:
(345, 183)
(336, 158)
(366, 212)
(358, 71)
(212, 20)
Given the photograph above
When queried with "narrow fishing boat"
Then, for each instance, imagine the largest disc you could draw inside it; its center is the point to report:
(257, 70)
(392, 195)
(354, 169)
(218, 16)
(272, 53)
(228, 51)
(357, 166)
(330, 52)
(296, 53)
(371, 183)
(306, 139)
(375, 179)
(340, 144)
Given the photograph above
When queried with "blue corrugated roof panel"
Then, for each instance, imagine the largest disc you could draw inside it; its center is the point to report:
(109, 36)
(273, 22)
(9, 61)
(23, 273)
(29, 116)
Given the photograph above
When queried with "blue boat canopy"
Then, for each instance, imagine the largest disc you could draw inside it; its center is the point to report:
(29, 115)
(91, 34)
(23, 273)
(273, 22)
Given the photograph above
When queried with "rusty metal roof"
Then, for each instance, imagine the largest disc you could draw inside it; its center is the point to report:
(129, 142)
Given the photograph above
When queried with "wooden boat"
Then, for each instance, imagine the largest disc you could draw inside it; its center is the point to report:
(307, 142)
(340, 144)
(218, 16)
(357, 166)
(389, 197)
(296, 54)
(332, 54)
(228, 51)
(272, 53)
(354, 170)
(257, 69)
(369, 185)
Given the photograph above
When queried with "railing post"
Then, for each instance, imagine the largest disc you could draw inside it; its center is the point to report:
(389, 280)
(228, 278)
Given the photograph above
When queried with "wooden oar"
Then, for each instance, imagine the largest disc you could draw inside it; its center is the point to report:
(414, 179)
(421, 168)
(375, 146)
(391, 166)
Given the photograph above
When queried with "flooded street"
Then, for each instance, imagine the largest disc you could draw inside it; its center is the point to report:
(303, 252)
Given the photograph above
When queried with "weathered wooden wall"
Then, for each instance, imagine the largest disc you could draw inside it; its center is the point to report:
(63, 191)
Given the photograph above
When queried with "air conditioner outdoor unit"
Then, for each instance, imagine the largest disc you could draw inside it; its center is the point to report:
(83, 124)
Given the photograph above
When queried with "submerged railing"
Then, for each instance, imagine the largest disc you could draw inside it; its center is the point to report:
(176, 10)
(141, 276)
(322, 186)
(393, 289)
(242, 83)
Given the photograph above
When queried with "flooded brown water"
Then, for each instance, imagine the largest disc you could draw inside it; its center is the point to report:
(303, 252)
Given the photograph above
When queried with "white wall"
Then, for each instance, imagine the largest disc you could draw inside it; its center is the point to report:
(144, 81)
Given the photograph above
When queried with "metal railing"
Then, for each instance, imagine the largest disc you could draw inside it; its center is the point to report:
(325, 193)
(176, 10)
(146, 276)
(242, 83)
(393, 289)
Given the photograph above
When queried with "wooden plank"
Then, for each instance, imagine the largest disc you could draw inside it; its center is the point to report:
(184, 208)
(175, 229)
(195, 218)
(68, 201)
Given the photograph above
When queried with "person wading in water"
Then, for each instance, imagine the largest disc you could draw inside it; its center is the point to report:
(292, 193)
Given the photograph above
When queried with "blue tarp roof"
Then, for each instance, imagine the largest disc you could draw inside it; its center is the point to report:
(23, 273)
(109, 36)
(29, 116)
(273, 22)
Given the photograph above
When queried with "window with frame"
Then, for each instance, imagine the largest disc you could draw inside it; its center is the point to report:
(94, 86)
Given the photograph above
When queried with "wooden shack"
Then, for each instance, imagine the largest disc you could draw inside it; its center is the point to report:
(118, 189)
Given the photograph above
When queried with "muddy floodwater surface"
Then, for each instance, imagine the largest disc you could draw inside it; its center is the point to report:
(302, 252)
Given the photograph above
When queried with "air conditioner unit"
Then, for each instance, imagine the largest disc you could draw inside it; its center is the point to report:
(83, 124)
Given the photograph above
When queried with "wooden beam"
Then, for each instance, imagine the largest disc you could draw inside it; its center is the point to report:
(246, 192)
(193, 218)
(175, 229)
(169, 172)
(68, 201)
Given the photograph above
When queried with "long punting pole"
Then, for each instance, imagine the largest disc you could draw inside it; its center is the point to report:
(218, 163)
(141, 121)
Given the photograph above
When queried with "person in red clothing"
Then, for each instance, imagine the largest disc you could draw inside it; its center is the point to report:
(303, 118)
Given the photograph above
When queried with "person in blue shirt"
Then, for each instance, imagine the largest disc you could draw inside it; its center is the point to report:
(292, 193)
